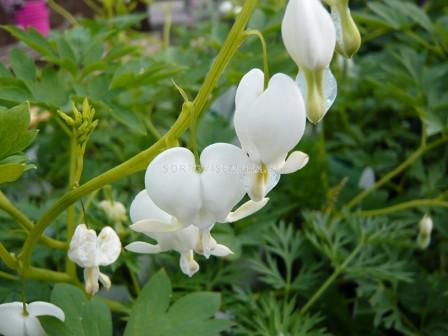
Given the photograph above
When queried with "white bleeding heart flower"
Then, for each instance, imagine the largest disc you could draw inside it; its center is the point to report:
(269, 124)
(199, 197)
(14, 322)
(309, 37)
(183, 240)
(89, 251)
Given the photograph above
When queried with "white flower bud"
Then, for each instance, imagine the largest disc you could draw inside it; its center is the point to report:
(309, 34)
(426, 225)
(115, 211)
(424, 236)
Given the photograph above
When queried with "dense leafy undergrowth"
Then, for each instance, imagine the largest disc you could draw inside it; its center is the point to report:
(335, 251)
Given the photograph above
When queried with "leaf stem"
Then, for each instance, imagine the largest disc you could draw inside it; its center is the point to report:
(338, 270)
(386, 178)
(7, 258)
(64, 13)
(9, 276)
(265, 54)
(403, 206)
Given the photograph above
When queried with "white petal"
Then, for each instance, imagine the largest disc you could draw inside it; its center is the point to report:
(174, 185)
(296, 160)
(109, 246)
(181, 240)
(91, 276)
(246, 209)
(188, 265)
(261, 182)
(221, 251)
(308, 34)
(221, 182)
(40, 308)
(249, 89)
(150, 226)
(12, 321)
(277, 120)
(83, 247)
(142, 207)
(142, 247)
(105, 280)
(367, 179)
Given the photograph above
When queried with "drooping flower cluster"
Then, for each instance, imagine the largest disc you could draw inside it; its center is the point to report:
(186, 196)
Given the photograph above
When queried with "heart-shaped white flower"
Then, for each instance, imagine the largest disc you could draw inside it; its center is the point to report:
(199, 196)
(89, 251)
(269, 124)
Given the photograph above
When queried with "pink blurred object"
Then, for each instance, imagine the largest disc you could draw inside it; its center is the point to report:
(34, 14)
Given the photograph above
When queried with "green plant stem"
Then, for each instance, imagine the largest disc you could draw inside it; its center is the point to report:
(7, 258)
(117, 307)
(61, 11)
(338, 270)
(22, 283)
(74, 176)
(35, 273)
(386, 178)
(167, 27)
(27, 224)
(9, 276)
(141, 160)
(135, 282)
(97, 9)
(265, 54)
(403, 206)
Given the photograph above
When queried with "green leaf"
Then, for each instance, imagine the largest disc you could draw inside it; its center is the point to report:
(93, 53)
(201, 305)
(33, 39)
(23, 65)
(189, 316)
(4, 70)
(11, 172)
(14, 90)
(126, 116)
(14, 133)
(54, 327)
(65, 50)
(150, 305)
(83, 317)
